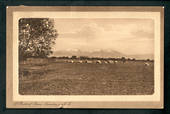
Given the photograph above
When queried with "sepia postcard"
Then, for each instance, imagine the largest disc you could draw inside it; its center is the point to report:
(85, 57)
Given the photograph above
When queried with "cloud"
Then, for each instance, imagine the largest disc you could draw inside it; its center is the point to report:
(143, 34)
(120, 35)
(86, 32)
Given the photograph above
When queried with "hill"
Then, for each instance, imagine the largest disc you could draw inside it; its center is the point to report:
(100, 53)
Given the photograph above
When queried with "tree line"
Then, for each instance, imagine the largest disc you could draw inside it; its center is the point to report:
(99, 58)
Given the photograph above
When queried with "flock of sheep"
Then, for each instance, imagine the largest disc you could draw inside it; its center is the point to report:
(102, 62)
(86, 61)
(92, 61)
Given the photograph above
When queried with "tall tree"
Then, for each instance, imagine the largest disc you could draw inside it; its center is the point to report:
(36, 36)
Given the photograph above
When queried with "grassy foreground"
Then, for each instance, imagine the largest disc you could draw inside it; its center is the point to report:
(62, 78)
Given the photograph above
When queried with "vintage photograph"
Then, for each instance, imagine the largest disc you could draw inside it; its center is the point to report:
(84, 57)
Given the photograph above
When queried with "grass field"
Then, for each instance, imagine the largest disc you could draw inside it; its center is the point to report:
(62, 78)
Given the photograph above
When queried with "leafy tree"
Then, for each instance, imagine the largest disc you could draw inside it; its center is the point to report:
(36, 36)
(148, 60)
(74, 57)
(123, 59)
(133, 59)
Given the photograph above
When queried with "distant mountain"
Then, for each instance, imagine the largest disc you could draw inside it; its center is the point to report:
(99, 53)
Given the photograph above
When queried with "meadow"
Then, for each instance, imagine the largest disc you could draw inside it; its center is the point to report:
(64, 78)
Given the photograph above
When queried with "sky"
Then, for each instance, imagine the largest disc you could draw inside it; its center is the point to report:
(127, 36)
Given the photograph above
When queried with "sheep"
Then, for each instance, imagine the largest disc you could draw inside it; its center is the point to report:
(98, 61)
(80, 61)
(70, 61)
(105, 62)
(115, 62)
(89, 61)
(146, 64)
(110, 61)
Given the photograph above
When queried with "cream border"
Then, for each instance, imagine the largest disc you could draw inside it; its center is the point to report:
(109, 101)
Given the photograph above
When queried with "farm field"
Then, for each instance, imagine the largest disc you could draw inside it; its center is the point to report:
(64, 78)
